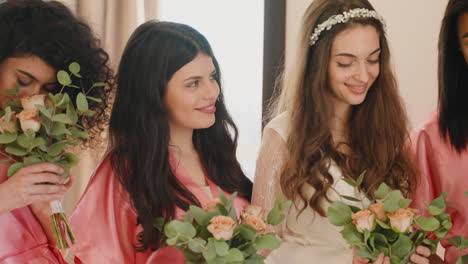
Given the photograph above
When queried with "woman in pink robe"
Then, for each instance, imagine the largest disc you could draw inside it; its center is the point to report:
(172, 144)
(37, 38)
(441, 143)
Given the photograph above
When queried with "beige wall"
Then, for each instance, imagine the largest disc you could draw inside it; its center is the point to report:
(412, 29)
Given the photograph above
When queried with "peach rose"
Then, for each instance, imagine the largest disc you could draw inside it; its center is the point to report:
(10, 126)
(253, 210)
(221, 227)
(29, 103)
(402, 220)
(29, 119)
(364, 220)
(255, 222)
(378, 210)
(211, 205)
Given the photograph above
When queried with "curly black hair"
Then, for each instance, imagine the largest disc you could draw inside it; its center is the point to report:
(51, 32)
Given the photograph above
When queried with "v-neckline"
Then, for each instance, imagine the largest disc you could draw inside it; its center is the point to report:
(182, 174)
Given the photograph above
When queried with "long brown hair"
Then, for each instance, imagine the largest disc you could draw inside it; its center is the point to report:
(453, 79)
(377, 129)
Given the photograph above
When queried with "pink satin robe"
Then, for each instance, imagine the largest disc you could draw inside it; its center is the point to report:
(22, 239)
(105, 225)
(441, 169)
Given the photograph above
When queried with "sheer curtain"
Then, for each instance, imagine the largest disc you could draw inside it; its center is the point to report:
(113, 21)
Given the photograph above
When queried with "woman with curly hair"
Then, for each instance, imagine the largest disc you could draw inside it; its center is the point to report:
(440, 144)
(36, 40)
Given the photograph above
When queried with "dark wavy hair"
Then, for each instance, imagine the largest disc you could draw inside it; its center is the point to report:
(375, 146)
(51, 32)
(453, 79)
(139, 128)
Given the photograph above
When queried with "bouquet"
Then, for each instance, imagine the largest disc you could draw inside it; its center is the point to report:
(216, 235)
(389, 226)
(40, 128)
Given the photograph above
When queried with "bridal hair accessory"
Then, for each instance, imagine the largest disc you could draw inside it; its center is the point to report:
(344, 18)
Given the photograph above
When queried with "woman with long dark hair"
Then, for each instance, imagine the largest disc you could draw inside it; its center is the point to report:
(172, 143)
(37, 39)
(339, 114)
(441, 143)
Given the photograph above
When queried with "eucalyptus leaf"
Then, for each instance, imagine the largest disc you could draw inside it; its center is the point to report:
(339, 214)
(98, 84)
(71, 159)
(438, 205)
(365, 253)
(391, 203)
(210, 251)
(427, 223)
(351, 235)
(74, 67)
(71, 113)
(94, 99)
(24, 141)
(14, 168)
(197, 245)
(350, 198)
(63, 78)
(404, 203)
(7, 137)
(199, 215)
(382, 191)
(267, 241)
(16, 150)
(222, 248)
(81, 102)
(350, 181)
(255, 259)
(402, 247)
(62, 118)
(55, 149)
(7, 114)
(46, 112)
(234, 255)
(360, 179)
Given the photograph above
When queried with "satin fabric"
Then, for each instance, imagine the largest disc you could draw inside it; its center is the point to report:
(441, 168)
(22, 239)
(105, 224)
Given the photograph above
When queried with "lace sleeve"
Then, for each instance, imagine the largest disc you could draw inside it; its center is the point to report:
(269, 164)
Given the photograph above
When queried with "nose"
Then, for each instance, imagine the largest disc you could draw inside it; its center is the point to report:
(362, 73)
(212, 90)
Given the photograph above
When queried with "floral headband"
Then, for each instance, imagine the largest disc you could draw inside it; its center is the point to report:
(344, 18)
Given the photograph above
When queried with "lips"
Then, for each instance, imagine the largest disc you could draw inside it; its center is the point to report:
(209, 109)
(357, 89)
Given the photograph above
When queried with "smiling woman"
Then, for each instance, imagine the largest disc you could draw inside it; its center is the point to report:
(173, 143)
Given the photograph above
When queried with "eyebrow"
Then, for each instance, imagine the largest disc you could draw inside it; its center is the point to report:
(353, 56)
(27, 74)
(198, 77)
(34, 78)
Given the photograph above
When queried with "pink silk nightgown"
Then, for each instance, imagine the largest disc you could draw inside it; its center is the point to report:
(441, 169)
(105, 225)
(22, 239)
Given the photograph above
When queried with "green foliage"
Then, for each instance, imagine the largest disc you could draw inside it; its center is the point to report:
(59, 128)
(387, 238)
(199, 245)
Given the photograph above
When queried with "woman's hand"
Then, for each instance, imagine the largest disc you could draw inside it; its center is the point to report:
(420, 257)
(27, 186)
